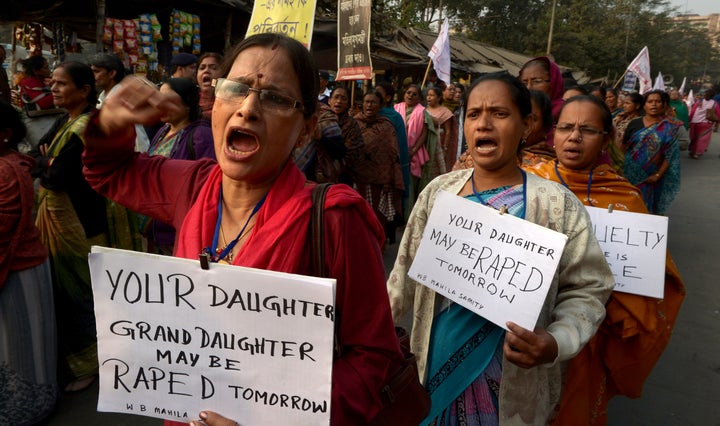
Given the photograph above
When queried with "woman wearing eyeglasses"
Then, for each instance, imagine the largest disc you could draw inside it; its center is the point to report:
(636, 329)
(422, 141)
(256, 203)
(652, 154)
(544, 75)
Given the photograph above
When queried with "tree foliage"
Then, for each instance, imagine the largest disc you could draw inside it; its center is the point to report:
(598, 36)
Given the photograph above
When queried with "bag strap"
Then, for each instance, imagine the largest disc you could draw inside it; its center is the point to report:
(317, 229)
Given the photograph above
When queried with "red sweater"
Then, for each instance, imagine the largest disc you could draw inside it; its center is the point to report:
(19, 238)
(185, 193)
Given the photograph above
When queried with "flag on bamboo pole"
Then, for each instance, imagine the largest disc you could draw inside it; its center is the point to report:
(682, 87)
(659, 82)
(640, 66)
(440, 53)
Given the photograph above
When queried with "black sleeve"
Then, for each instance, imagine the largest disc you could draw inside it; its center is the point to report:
(66, 167)
(632, 128)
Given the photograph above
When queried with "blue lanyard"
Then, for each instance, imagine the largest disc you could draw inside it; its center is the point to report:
(213, 250)
(480, 197)
(562, 181)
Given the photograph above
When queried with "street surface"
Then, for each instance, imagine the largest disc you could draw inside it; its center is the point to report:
(684, 388)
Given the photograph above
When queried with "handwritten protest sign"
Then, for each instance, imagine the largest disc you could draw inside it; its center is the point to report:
(353, 35)
(294, 18)
(173, 339)
(635, 247)
(498, 266)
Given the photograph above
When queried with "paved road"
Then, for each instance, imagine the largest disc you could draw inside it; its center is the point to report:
(684, 388)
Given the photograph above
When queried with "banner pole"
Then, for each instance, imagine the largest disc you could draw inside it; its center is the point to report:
(352, 95)
(427, 71)
(622, 77)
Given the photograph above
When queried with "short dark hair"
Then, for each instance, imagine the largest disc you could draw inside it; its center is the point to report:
(437, 90)
(664, 97)
(303, 64)
(519, 93)
(33, 64)
(417, 87)
(10, 119)
(577, 89)
(82, 75)
(543, 102)
(635, 98)
(606, 115)
(600, 89)
(189, 92)
(377, 94)
(215, 55)
(111, 63)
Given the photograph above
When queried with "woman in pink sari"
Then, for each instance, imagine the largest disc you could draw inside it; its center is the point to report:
(700, 126)
(422, 141)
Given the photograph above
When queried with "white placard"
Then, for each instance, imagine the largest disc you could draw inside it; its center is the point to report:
(498, 266)
(173, 339)
(635, 247)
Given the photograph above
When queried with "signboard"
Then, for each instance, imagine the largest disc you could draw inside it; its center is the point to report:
(173, 339)
(294, 18)
(498, 266)
(353, 37)
(635, 247)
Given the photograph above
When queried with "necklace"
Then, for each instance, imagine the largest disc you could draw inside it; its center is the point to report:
(504, 207)
(562, 181)
(229, 258)
(224, 254)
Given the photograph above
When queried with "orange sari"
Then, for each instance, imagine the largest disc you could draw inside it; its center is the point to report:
(636, 329)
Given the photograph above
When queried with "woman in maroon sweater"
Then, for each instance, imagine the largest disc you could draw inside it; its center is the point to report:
(27, 315)
(258, 198)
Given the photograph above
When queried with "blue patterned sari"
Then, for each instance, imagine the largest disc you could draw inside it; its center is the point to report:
(646, 150)
(465, 353)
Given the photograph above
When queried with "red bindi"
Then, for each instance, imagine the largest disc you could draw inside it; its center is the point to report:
(259, 76)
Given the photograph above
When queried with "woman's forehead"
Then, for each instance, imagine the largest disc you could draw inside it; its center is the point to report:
(264, 63)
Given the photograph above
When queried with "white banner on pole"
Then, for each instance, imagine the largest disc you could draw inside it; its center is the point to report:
(640, 66)
(497, 265)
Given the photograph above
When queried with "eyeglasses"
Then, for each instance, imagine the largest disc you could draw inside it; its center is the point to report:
(411, 94)
(566, 129)
(235, 91)
(534, 82)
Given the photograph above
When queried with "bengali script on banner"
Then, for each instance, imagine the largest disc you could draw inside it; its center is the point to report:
(294, 18)
(354, 62)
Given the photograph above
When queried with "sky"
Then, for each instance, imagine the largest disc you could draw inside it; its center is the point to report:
(701, 7)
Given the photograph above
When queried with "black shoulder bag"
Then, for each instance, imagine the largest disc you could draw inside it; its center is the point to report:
(405, 400)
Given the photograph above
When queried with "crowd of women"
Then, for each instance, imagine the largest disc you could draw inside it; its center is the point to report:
(518, 143)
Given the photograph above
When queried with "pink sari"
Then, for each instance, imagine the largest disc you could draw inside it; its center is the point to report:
(414, 126)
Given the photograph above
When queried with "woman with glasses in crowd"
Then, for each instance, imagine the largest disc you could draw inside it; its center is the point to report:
(422, 142)
(258, 198)
(636, 329)
(544, 75)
